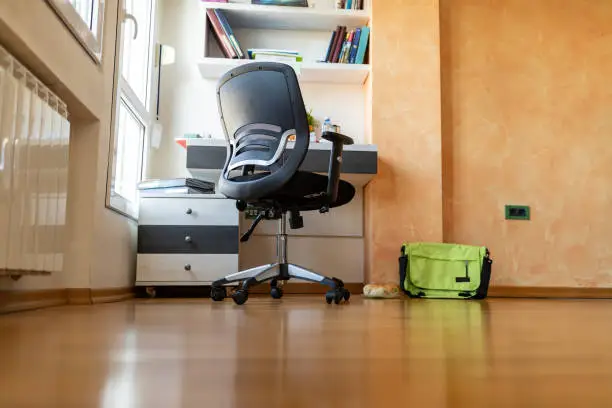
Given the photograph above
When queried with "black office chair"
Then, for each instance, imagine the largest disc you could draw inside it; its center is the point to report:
(261, 106)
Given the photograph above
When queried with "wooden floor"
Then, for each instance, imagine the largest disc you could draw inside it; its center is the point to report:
(300, 352)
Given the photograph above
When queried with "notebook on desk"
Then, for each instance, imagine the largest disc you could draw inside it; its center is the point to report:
(176, 186)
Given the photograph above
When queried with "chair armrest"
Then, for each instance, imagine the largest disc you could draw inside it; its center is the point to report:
(335, 163)
(337, 137)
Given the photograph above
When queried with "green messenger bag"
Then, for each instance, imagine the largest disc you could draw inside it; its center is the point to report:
(432, 270)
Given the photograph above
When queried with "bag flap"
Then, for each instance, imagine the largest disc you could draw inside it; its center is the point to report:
(445, 266)
(446, 252)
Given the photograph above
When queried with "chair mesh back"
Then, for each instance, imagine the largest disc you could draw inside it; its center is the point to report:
(261, 106)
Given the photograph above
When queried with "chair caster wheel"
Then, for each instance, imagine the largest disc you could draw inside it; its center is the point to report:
(276, 292)
(337, 295)
(150, 291)
(240, 296)
(218, 294)
(347, 295)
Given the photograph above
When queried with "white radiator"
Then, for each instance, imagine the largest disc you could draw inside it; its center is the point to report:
(35, 137)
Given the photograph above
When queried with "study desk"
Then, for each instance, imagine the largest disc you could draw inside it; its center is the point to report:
(174, 246)
(206, 157)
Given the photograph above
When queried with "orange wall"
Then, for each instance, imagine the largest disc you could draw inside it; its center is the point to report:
(404, 202)
(527, 114)
(525, 117)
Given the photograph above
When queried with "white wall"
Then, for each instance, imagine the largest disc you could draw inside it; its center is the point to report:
(100, 249)
(188, 102)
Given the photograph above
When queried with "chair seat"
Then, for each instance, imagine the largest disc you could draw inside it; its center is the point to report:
(305, 191)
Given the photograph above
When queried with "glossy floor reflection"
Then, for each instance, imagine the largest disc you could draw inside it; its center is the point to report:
(300, 352)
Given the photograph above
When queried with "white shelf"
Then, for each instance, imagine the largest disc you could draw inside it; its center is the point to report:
(214, 68)
(289, 18)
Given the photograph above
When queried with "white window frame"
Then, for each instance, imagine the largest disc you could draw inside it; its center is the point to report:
(88, 35)
(143, 112)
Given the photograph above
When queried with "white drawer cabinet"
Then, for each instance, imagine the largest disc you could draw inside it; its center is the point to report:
(186, 240)
(187, 211)
(161, 269)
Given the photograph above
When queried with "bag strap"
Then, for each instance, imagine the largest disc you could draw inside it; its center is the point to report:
(403, 264)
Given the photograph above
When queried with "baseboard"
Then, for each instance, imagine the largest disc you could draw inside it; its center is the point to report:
(299, 288)
(22, 300)
(549, 292)
(111, 295)
(18, 301)
(78, 296)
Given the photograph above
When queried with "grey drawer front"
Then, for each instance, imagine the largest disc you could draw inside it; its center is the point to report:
(207, 239)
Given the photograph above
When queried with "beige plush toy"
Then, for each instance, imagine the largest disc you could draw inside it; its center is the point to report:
(386, 291)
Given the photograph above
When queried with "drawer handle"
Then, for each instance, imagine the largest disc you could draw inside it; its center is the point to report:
(188, 238)
(189, 211)
(187, 267)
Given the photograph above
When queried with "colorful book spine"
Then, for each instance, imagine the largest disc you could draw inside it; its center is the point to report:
(346, 49)
(222, 38)
(363, 45)
(228, 31)
(355, 46)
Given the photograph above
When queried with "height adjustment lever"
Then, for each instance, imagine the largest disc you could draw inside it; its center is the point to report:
(245, 237)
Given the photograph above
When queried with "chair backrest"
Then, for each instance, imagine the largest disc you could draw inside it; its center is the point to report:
(261, 106)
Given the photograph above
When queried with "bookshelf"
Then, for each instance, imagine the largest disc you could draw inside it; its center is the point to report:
(303, 29)
(188, 102)
(355, 74)
(289, 18)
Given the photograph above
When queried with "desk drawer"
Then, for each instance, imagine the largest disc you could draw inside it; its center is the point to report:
(187, 211)
(176, 269)
(171, 239)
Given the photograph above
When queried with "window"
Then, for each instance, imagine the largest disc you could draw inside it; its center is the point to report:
(85, 19)
(133, 118)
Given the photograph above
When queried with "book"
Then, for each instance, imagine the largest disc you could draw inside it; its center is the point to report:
(346, 47)
(221, 37)
(278, 58)
(272, 50)
(330, 46)
(229, 33)
(349, 3)
(291, 3)
(355, 46)
(334, 45)
(363, 45)
(349, 45)
(200, 186)
(263, 54)
(339, 42)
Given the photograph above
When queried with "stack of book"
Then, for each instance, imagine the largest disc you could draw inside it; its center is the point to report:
(261, 54)
(348, 47)
(350, 4)
(293, 3)
(224, 35)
